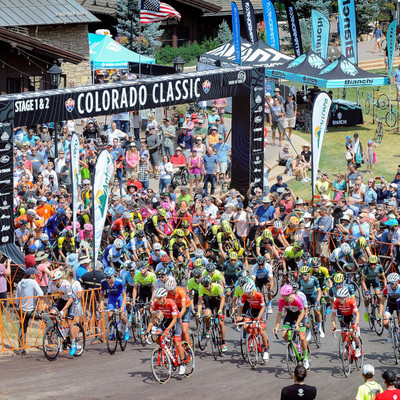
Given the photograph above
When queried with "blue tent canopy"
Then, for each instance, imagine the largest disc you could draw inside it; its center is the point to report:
(106, 53)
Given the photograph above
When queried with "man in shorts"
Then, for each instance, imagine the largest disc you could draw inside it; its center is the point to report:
(289, 121)
(222, 151)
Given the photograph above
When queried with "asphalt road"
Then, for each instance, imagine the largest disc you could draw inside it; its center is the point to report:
(98, 375)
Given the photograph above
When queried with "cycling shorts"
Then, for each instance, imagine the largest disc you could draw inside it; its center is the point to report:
(253, 313)
(212, 303)
(145, 293)
(390, 307)
(129, 290)
(230, 279)
(185, 319)
(71, 310)
(347, 320)
(292, 264)
(291, 319)
(312, 298)
(195, 298)
(260, 282)
(176, 330)
(374, 283)
(112, 303)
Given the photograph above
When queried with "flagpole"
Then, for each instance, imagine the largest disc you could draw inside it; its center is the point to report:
(140, 48)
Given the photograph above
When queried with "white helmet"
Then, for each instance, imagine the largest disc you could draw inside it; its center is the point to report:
(126, 215)
(249, 287)
(199, 253)
(278, 224)
(44, 237)
(343, 292)
(161, 292)
(393, 278)
(346, 249)
(118, 243)
(57, 274)
(170, 284)
(156, 246)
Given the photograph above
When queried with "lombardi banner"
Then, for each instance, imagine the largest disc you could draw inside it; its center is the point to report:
(250, 21)
(75, 177)
(320, 33)
(104, 170)
(348, 32)
(391, 43)
(271, 24)
(294, 28)
(320, 112)
(236, 33)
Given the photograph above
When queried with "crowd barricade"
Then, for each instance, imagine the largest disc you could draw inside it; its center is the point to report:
(22, 329)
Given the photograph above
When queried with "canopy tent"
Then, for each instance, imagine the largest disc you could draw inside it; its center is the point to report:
(106, 53)
(257, 54)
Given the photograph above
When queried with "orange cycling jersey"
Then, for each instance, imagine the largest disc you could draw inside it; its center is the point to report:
(348, 308)
(181, 298)
(169, 309)
(119, 225)
(257, 301)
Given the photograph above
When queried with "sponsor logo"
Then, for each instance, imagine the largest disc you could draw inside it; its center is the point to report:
(257, 170)
(294, 31)
(339, 115)
(342, 122)
(70, 105)
(6, 148)
(241, 77)
(329, 67)
(257, 180)
(257, 119)
(257, 139)
(356, 82)
(316, 61)
(324, 115)
(258, 88)
(249, 22)
(5, 239)
(5, 136)
(102, 193)
(318, 36)
(4, 159)
(348, 68)
(258, 99)
(271, 17)
(348, 28)
(206, 86)
(258, 109)
(297, 61)
(309, 80)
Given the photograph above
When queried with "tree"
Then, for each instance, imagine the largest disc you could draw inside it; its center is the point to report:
(366, 12)
(224, 34)
(145, 40)
(304, 7)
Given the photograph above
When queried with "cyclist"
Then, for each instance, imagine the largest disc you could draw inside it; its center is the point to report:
(256, 311)
(66, 245)
(262, 275)
(338, 258)
(214, 301)
(291, 256)
(114, 255)
(165, 263)
(54, 223)
(215, 275)
(305, 259)
(86, 234)
(310, 287)
(198, 254)
(361, 250)
(139, 245)
(116, 294)
(193, 287)
(65, 305)
(224, 241)
(231, 268)
(371, 274)
(136, 216)
(296, 290)
(339, 283)
(128, 277)
(277, 234)
(350, 316)
(294, 316)
(290, 230)
(183, 302)
(264, 246)
(170, 320)
(322, 274)
(155, 255)
(178, 247)
(162, 277)
(243, 278)
(153, 226)
(392, 293)
(121, 227)
(144, 284)
(185, 227)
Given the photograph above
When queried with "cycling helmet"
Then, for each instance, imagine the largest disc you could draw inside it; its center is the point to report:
(233, 255)
(170, 284)
(236, 245)
(294, 220)
(343, 292)
(161, 292)
(162, 213)
(345, 248)
(199, 253)
(88, 227)
(109, 271)
(316, 262)
(140, 227)
(44, 237)
(338, 278)
(196, 272)
(205, 280)
(118, 243)
(286, 290)
(295, 286)
(180, 233)
(185, 224)
(40, 223)
(305, 256)
(156, 246)
(126, 215)
(373, 259)
(362, 242)
(56, 274)
(260, 260)
(242, 280)
(69, 233)
(392, 222)
(130, 265)
(278, 225)
(161, 272)
(199, 263)
(297, 244)
(267, 234)
(23, 222)
(61, 212)
(31, 213)
(164, 258)
(210, 268)
(142, 264)
(84, 244)
(140, 233)
(249, 287)
(393, 278)
(226, 227)
(305, 269)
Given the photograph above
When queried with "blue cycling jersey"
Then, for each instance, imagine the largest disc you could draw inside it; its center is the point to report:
(115, 291)
(309, 287)
(334, 289)
(260, 273)
(371, 275)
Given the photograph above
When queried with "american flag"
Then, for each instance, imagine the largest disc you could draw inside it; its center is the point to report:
(155, 11)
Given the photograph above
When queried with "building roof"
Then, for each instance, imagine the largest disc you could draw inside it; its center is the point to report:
(37, 46)
(225, 7)
(43, 12)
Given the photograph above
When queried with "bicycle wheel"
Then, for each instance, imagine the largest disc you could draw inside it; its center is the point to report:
(134, 325)
(121, 340)
(185, 177)
(378, 324)
(111, 337)
(390, 119)
(395, 344)
(161, 366)
(143, 327)
(189, 359)
(51, 343)
(379, 130)
(383, 101)
(201, 336)
(357, 293)
(314, 331)
(345, 357)
(367, 106)
(192, 338)
(80, 339)
(360, 360)
(243, 343)
(214, 346)
(252, 350)
(371, 314)
(276, 283)
(291, 360)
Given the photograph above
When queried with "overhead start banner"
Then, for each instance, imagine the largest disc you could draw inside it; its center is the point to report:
(75, 174)
(236, 33)
(104, 170)
(348, 29)
(320, 112)
(391, 44)
(320, 33)
(271, 24)
(250, 21)
(294, 28)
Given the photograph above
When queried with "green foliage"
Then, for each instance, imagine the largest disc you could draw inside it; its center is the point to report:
(366, 12)
(224, 34)
(166, 54)
(304, 7)
(305, 27)
(145, 39)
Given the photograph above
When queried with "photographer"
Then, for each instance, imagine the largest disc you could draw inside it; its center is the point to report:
(324, 185)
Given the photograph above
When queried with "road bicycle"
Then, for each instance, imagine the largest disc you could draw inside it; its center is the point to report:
(115, 333)
(313, 326)
(142, 320)
(395, 337)
(181, 177)
(347, 351)
(254, 347)
(180, 273)
(374, 319)
(377, 99)
(214, 335)
(165, 358)
(294, 352)
(355, 283)
(56, 338)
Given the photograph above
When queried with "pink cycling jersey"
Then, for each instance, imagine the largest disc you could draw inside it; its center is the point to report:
(294, 306)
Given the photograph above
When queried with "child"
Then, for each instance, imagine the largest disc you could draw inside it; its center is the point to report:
(371, 156)
(144, 152)
(348, 143)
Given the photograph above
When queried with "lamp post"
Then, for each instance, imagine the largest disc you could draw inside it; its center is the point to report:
(55, 79)
(179, 63)
(131, 9)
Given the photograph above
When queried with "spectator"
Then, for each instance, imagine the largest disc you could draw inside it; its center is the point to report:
(277, 95)
(211, 118)
(276, 119)
(285, 155)
(369, 389)
(360, 226)
(324, 185)
(279, 186)
(290, 108)
(396, 81)
(144, 172)
(371, 156)
(153, 144)
(222, 150)
(210, 165)
(370, 195)
(91, 130)
(357, 150)
(115, 133)
(265, 214)
(132, 158)
(5, 271)
(391, 392)
(299, 390)
(200, 132)
(185, 141)
(178, 160)
(339, 187)
(210, 209)
(222, 129)
(65, 175)
(168, 133)
(166, 171)
(194, 166)
(306, 155)
(322, 226)
(213, 137)
(220, 105)
(378, 34)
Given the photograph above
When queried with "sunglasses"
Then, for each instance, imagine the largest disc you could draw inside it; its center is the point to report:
(108, 278)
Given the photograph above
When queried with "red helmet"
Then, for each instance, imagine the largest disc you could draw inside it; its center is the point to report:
(164, 258)
(194, 116)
